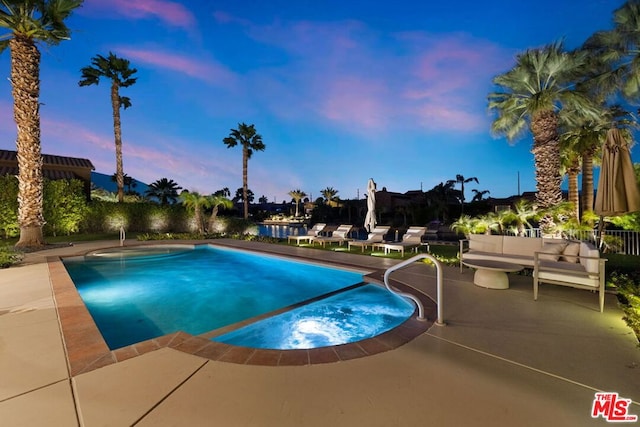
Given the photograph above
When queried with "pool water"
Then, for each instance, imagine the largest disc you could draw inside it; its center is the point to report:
(136, 295)
(350, 316)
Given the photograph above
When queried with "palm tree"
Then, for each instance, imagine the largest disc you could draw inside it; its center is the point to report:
(251, 141)
(329, 194)
(224, 192)
(240, 194)
(196, 202)
(128, 181)
(217, 202)
(462, 181)
(531, 95)
(585, 137)
(570, 165)
(165, 190)
(522, 212)
(479, 195)
(119, 72)
(438, 199)
(618, 50)
(297, 195)
(28, 23)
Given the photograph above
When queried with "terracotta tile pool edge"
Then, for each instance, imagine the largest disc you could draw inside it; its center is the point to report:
(86, 349)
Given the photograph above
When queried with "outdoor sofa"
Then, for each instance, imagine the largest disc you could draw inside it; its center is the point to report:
(554, 261)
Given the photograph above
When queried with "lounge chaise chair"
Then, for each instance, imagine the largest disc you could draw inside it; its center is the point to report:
(412, 239)
(339, 235)
(376, 236)
(312, 233)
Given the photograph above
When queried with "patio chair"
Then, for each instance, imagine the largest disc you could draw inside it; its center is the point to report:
(339, 235)
(376, 236)
(311, 234)
(412, 239)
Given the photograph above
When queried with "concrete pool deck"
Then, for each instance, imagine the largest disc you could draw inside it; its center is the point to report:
(501, 359)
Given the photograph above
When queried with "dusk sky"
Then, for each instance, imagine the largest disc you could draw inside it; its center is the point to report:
(341, 91)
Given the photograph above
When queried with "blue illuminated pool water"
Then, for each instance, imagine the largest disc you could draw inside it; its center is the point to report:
(350, 316)
(145, 293)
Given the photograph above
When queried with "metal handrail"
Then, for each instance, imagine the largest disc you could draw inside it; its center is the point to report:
(421, 316)
(123, 236)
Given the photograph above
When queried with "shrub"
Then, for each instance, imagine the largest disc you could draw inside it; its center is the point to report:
(9, 206)
(628, 287)
(64, 207)
(169, 236)
(9, 256)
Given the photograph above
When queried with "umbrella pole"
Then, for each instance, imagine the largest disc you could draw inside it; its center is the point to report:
(600, 231)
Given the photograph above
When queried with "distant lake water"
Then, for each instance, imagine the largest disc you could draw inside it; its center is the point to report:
(281, 231)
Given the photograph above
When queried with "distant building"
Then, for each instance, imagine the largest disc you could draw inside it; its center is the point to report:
(53, 167)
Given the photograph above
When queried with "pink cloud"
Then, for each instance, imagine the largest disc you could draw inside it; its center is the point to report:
(208, 71)
(355, 101)
(172, 13)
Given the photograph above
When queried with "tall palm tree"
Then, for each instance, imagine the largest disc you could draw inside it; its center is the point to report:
(460, 179)
(619, 50)
(165, 190)
(570, 165)
(297, 195)
(28, 23)
(196, 202)
(246, 136)
(530, 96)
(585, 137)
(121, 75)
(217, 202)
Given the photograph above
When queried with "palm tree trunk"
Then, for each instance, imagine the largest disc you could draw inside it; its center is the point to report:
(198, 219)
(574, 198)
(587, 181)
(212, 219)
(245, 185)
(25, 80)
(546, 152)
(117, 130)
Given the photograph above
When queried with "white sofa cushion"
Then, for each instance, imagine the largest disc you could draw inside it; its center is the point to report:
(526, 246)
(569, 254)
(485, 243)
(553, 249)
(588, 250)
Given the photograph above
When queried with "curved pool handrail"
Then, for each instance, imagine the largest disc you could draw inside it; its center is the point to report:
(421, 316)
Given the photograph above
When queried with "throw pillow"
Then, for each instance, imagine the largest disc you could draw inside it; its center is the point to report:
(570, 253)
(552, 251)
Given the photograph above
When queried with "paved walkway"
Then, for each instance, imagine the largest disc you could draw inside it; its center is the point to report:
(501, 359)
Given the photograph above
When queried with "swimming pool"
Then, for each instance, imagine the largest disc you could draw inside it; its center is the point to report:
(133, 296)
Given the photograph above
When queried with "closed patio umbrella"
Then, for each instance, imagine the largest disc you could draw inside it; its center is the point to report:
(618, 191)
(370, 219)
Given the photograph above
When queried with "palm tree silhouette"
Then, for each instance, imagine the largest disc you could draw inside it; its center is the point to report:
(251, 141)
(165, 190)
(118, 71)
(462, 181)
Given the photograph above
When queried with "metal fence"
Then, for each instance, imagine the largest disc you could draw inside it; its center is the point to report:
(615, 241)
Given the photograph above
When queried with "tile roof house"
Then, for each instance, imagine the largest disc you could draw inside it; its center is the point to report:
(53, 167)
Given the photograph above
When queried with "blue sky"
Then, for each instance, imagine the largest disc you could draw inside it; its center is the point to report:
(341, 91)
